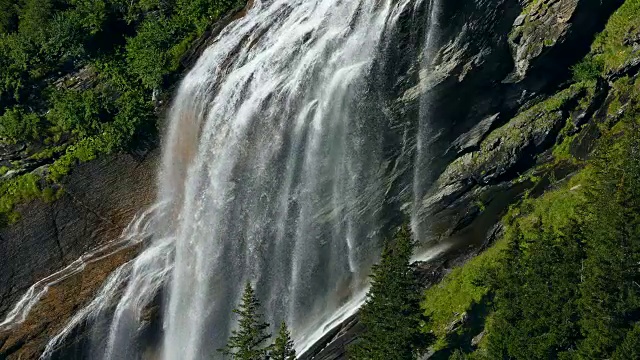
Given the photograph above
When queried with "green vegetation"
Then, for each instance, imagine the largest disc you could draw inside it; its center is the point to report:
(248, 342)
(562, 281)
(458, 293)
(614, 47)
(20, 189)
(16, 124)
(391, 315)
(283, 349)
(80, 78)
(588, 69)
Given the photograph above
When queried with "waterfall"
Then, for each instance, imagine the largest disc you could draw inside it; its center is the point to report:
(424, 153)
(284, 187)
(273, 173)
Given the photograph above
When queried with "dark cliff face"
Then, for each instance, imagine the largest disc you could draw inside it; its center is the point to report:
(100, 199)
(494, 59)
(482, 107)
(497, 96)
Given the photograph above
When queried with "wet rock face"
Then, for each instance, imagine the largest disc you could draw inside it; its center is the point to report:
(52, 313)
(492, 60)
(100, 199)
(540, 26)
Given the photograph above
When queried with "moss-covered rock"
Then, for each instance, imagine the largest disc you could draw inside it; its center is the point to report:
(618, 46)
(541, 25)
(524, 135)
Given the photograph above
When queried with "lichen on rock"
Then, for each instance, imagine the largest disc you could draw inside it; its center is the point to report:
(541, 25)
(505, 146)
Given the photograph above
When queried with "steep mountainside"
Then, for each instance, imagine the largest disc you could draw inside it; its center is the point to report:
(518, 96)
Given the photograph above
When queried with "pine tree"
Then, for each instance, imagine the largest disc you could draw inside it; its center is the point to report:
(391, 315)
(283, 349)
(247, 342)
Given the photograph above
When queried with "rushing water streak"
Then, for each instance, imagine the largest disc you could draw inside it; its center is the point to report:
(273, 173)
(424, 154)
(138, 230)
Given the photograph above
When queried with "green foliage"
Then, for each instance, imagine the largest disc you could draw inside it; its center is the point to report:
(614, 47)
(562, 282)
(588, 69)
(147, 53)
(391, 315)
(78, 112)
(8, 16)
(283, 348)
(20, 189)
(567, 285)
(17, 124)
(247, 342)
(84, 150)
(610, 299)
(135, 46)
(111, 57)
(91, 14)
(458, 355)
(33, 15)
(629, 349)
(458, 292)
(626, 91)
(536, 298)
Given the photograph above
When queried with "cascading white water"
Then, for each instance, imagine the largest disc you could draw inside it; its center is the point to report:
(273, 173)
(284, 186)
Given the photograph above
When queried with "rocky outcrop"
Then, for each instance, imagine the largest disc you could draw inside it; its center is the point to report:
(502, 160)
(497, 103)
(477, 94)
(55, 309)
(540, 26)
(99, 200)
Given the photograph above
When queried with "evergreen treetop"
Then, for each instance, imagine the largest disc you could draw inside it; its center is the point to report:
(391, 315)
(247, 342)
(283, 348)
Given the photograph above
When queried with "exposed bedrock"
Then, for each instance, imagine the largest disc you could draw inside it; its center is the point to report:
(100, 199)
(475, 82)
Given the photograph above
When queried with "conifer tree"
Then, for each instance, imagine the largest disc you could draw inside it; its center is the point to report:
(283, 349)
(247, 342)
(391, 315)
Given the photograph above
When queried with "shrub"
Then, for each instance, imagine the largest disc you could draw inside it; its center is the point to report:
(588, 69)
(18, 125)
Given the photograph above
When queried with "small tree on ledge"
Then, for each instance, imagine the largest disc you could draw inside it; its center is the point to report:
(283, 349)
(247, 342)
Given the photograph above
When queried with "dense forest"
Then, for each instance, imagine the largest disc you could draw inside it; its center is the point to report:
(86, 77)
